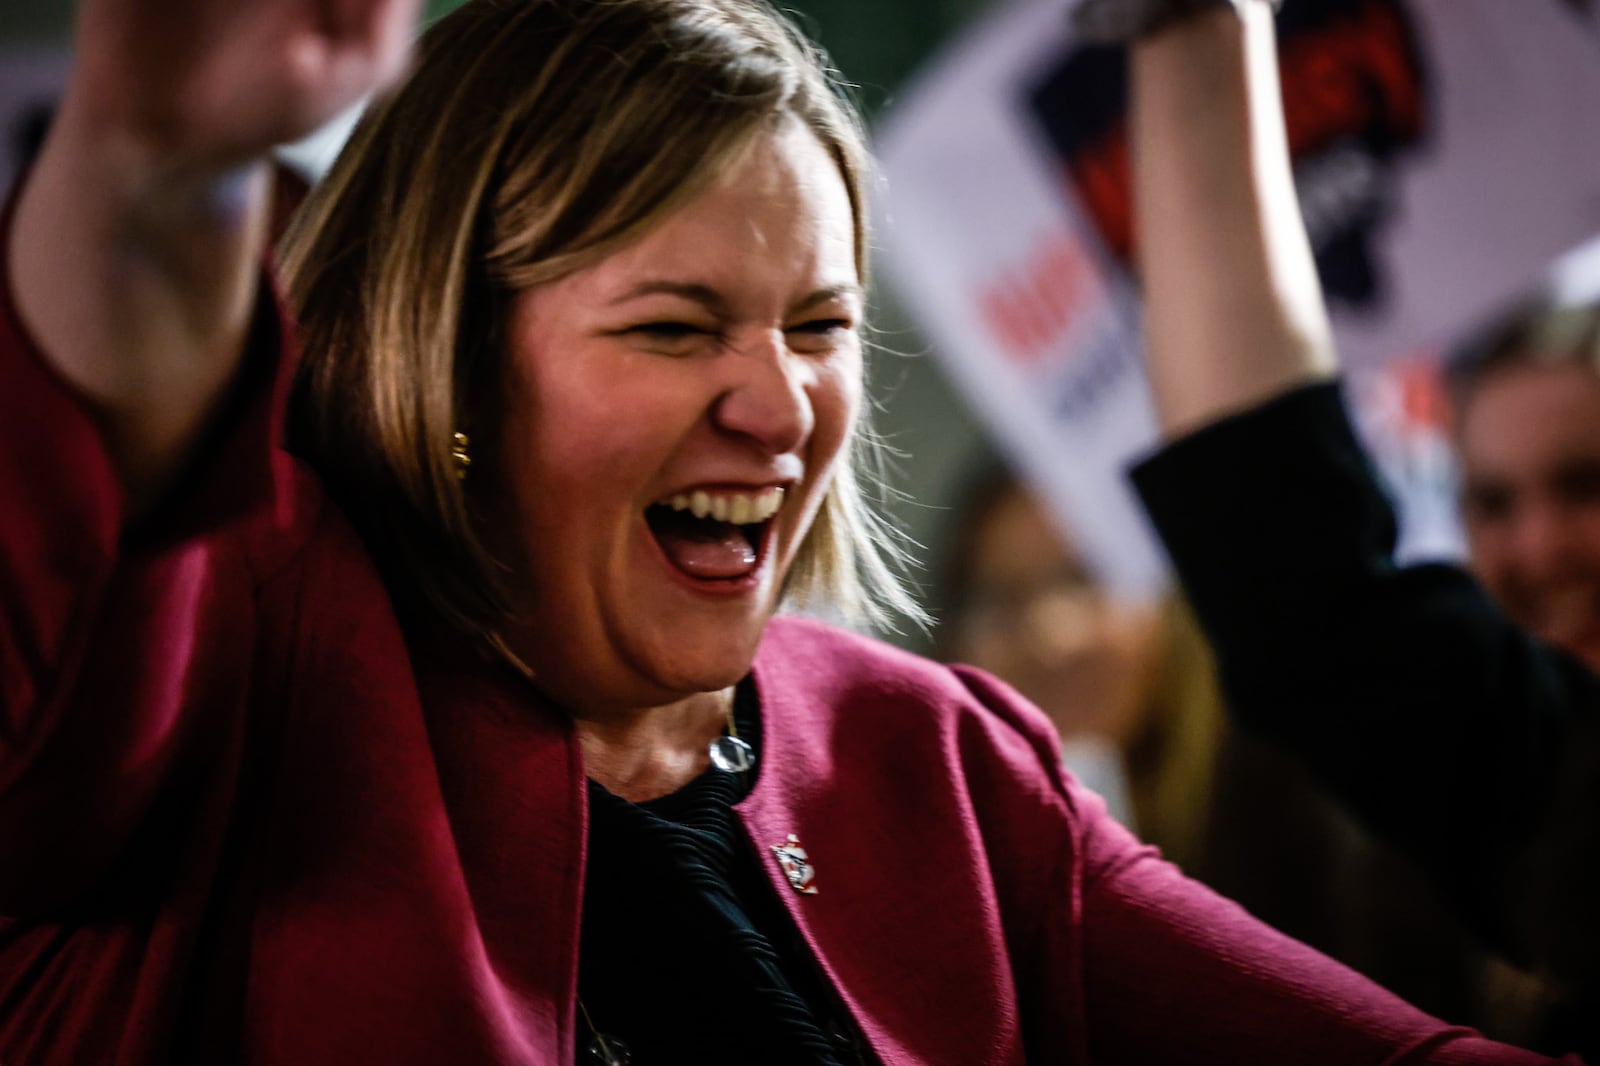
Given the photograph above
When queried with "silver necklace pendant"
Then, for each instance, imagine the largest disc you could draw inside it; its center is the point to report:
(732, 755)
(607, 1051)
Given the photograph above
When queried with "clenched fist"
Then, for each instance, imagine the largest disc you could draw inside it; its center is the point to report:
(218, 82)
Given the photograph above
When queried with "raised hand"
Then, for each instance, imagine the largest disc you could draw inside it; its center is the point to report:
(221, 81)
(138, 236)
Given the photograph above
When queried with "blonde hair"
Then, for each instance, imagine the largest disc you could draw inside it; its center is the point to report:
(1539, 332)
(534, 138)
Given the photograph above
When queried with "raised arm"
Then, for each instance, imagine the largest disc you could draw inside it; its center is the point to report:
(1444, 726)
(131, 293)
(1233, 311)
(137, 238)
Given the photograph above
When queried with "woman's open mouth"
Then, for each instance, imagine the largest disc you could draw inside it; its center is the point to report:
(714, 535)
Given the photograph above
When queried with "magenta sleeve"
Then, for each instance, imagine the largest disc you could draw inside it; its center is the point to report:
(110, 636)
(60, 520)
(1169, 972)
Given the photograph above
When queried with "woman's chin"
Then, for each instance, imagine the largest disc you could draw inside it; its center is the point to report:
(688, 679)
(676, 666)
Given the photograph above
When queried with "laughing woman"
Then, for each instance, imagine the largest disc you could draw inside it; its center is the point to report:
(452, 723)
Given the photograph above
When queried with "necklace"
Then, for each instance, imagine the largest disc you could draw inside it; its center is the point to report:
(603, 1050)
(731, 755)
(728, 753)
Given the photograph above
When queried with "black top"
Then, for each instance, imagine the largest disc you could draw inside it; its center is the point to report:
(685, 954)
(1444, 726)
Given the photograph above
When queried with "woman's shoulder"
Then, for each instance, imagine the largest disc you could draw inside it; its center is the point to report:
(816, 672)
(866, 740)
(830, 661)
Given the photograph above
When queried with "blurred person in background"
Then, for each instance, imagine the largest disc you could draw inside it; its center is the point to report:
(1526, 402)
(1129, 685)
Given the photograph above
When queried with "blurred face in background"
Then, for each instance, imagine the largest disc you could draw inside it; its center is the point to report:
(1031, 614)
(1528, 438)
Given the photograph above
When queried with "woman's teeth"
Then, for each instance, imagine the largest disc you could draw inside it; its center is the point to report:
(739, 508)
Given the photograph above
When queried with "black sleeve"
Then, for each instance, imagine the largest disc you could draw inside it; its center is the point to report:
(1448, 730)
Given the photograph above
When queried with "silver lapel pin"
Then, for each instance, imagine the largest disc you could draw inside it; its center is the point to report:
(796, 865)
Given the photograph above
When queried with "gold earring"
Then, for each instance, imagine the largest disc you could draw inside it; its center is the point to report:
(458, 452)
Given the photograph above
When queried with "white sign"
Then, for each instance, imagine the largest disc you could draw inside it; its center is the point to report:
(1446, 152)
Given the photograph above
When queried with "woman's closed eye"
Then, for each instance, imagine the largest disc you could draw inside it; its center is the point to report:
(669, 330)
(671, 336)
(820, 334)
(823, 325)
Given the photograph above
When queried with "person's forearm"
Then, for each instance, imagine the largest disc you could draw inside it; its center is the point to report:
(1233, 308)
(136, 275)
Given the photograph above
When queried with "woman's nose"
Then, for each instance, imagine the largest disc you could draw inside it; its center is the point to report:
(768, 399)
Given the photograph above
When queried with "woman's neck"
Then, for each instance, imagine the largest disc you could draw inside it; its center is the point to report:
(646, 753)
(656, 751)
